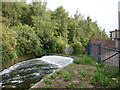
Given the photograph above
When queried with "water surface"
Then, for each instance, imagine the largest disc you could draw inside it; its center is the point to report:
(26, 73)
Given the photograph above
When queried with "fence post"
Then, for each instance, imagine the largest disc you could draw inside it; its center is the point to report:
(99, 52)
(119, 61)
(89, 49)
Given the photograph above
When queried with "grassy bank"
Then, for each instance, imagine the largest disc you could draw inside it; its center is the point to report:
(83, 73)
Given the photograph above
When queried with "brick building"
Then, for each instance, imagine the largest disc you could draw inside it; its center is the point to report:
(114, 35)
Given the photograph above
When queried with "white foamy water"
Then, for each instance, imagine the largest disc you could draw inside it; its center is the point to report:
(57, 60)
(9, 69)
(13, 67)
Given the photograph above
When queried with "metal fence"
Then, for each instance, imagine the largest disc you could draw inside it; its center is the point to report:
(105, 54)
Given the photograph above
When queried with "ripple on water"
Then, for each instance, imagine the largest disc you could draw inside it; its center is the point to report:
(31, 71)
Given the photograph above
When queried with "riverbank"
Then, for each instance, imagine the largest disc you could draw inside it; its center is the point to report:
(83, 73)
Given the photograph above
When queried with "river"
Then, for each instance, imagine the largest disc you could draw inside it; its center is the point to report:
(26, 73)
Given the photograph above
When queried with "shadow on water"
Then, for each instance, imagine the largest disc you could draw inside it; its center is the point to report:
(25, 73)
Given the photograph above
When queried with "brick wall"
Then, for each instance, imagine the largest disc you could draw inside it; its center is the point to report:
(106, 43)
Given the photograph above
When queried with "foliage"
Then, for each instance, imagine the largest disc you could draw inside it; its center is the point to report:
(103, 77)
(71, 85)
(83, 86)
(34, 29)
(66, 76)
(47, 86)
(59, 72)
(77, 48)
(48, 81)
(8, 44)
(28, 41)
(54, 75)
(60, 44)
(83, 73)
(60, 16)
(85, 60)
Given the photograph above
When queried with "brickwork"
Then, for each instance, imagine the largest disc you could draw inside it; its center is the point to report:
(114, 61)
(106, 43)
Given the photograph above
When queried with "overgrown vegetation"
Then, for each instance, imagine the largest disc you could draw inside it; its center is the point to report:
(34, 29)
(48, 81)
(84, 73)
(85, 60)
(104, 76)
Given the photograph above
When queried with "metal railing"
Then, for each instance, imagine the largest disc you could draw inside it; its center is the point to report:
(104, 54)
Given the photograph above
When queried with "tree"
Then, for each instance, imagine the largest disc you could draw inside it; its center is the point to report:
(34, 29)
(60, 16)
(27, 41)
(9, 43)
(43, 25)
(10, 14)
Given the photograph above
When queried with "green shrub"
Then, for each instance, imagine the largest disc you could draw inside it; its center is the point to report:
(9, 42)
(103, 77)
(27, 41)
(66, 76)
(77, 48)
(83, 73)
(84, 60)
(47, 86)
(54, 75)
(100, 80)
(48, 81)
(61, 44)
(60, 72)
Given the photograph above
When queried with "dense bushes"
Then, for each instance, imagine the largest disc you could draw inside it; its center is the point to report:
(9, 43)
(27, 41)
(77, 47)
(34, 29)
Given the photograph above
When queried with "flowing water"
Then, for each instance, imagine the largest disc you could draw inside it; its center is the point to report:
(26, 73)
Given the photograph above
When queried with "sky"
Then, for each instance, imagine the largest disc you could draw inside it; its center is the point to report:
(105, 12)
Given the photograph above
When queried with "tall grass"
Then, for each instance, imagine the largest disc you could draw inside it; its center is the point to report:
(85, 60)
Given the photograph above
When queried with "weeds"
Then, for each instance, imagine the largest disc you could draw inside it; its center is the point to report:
(83, 73)
(60, 72)
(47, 86)
(82, 79)
(54, 75)
(66, 76)
(47, 81)
(71, 85)
(83, 86)
(103, 77)
(85, 60)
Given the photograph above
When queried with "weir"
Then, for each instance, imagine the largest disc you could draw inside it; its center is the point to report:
(25, 73)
